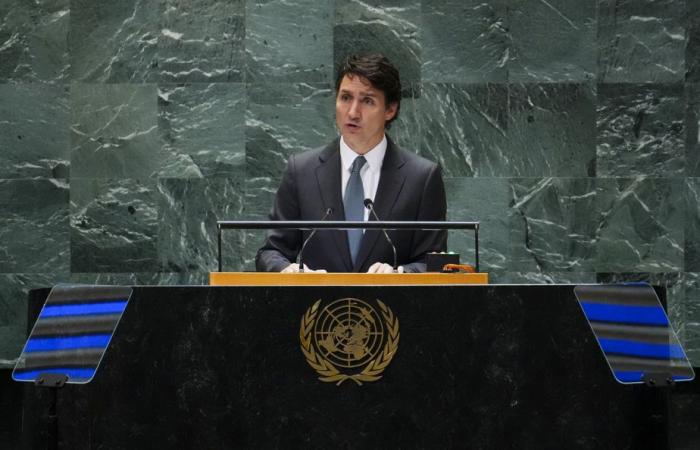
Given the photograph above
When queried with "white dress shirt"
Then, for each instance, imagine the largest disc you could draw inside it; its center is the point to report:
(369, 173)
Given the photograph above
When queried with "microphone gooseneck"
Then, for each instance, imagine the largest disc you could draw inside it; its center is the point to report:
(300, 261)
(369, 204)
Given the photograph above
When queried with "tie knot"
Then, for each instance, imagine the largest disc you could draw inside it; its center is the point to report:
(357, 164)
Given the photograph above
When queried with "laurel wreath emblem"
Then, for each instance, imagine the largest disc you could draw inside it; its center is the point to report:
(329, 373)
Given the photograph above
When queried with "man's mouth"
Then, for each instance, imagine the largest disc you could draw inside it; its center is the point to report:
(353, 126)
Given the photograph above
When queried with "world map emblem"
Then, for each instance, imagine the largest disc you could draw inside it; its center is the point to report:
(349, 339)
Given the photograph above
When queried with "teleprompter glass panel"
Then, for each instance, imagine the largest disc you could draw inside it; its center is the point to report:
(72, 332)
(634, 333)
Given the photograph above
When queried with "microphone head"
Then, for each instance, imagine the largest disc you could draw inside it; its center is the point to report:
(368, 203)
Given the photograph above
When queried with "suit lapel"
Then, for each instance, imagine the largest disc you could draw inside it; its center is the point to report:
(329, 185)
(390, 184)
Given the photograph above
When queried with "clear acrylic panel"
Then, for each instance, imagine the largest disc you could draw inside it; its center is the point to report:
(72, 332)
(634, 333)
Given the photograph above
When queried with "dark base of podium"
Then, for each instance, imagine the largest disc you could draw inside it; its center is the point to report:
(477, 367)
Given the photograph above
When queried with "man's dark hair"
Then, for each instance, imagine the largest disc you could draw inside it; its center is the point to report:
(380, 72)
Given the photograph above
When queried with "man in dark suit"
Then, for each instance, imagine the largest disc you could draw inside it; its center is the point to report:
(332, 182)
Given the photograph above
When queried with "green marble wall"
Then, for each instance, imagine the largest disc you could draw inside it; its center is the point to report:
(568, 127)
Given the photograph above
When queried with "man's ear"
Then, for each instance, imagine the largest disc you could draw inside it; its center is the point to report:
(390, 111)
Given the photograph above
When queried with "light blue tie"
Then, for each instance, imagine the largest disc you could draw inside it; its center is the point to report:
(354, 203)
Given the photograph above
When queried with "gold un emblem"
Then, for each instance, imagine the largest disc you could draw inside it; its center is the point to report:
(349, 340)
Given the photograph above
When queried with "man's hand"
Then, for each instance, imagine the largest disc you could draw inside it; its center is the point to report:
(383, 268)
(293, 268)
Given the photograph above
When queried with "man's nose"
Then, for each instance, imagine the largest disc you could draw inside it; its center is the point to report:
(354, 111)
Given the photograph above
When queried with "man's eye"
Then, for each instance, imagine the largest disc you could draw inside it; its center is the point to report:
(369, 101)
(345, 97)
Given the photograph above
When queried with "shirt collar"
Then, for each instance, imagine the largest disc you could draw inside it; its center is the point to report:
(374, 157)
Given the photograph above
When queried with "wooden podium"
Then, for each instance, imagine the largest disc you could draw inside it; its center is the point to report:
(344, 279)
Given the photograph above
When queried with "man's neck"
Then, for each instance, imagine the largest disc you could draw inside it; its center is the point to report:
(363, 149)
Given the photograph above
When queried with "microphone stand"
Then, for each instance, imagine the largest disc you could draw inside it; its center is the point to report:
(300, 261)
(369, 204)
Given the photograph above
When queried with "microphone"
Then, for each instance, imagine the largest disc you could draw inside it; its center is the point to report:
(369, 204)
(300, 261)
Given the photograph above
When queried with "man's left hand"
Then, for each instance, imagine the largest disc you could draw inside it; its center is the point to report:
(383, 268)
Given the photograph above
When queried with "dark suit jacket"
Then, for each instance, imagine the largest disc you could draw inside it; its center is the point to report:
(410, 188)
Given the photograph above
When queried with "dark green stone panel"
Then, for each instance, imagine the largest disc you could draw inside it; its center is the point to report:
(553, 224)
(187, 232)
(289, 40)
(33, 44)
(114, 225)
(115, 131)
(462, 125)
(282, 119)
(692, 224)
(14, 288)
(690, 331)
(551, 132)
(484, 200)
(641, 41)
(202, 129)
(465, 41)
(552, 41)
(34, 136)
(692, 50)
(692, 130)
(641, 130)
(202, 41)
(406, 130)
(388, 27)
(640, 225)
(114, 42)
(34, 230)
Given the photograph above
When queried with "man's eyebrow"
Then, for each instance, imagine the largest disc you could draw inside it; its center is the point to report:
(362, 93)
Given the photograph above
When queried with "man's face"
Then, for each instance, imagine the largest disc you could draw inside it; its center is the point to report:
(361, 113)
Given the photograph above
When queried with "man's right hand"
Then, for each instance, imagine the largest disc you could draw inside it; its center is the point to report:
(293, 268)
